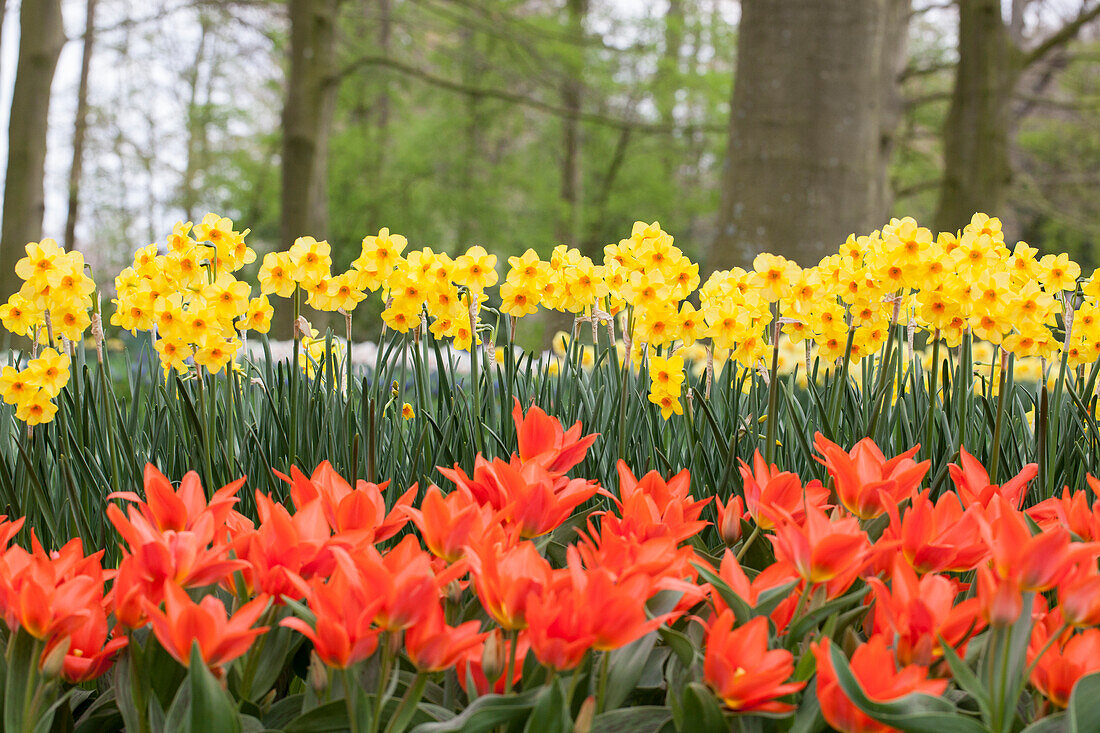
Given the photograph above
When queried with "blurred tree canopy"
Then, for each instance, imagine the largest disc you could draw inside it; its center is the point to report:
(529, 123)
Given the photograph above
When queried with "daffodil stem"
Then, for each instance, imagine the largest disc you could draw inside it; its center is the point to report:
(773, 391)
(933, 384)
(475, 356)
(294, 377)
(1001, 381)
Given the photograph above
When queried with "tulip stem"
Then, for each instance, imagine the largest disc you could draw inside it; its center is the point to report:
(773, 391)
(383, 681)
(933, 378)
(601, 684)
(1001, 383)
(405, 711)
(513, 637)
(748, 543)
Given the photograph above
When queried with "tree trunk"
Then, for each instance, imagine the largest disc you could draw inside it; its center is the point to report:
(807, 163)
(307, 118)
(41, 36)
(977, 170)
(80, 125)
(571, 222)
(197, 120)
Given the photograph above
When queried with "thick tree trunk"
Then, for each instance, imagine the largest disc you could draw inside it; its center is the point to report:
(197, 120)
(977, 169)
(41, 36)
(80, 125)
(807, 162)
(307, 118)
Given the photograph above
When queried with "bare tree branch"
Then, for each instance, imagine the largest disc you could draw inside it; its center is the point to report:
(1063, 36)
(519, 99)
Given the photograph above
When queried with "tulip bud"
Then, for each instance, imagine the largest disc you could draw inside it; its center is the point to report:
(318, 674)
(585, 716)
(52, 663)
(453, 591)
(494, 657)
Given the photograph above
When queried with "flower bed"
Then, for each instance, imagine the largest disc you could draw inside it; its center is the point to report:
(864, 606)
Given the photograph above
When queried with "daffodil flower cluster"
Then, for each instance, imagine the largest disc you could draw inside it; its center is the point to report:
(51, 308)
(950, 286)
(189, 297)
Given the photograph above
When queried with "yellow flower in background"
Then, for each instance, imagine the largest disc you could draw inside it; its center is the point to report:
(19, 315)
(517, 300)
(174, 353)
(258, 315)
(15, 385)
(41, 268)
(49, 372)
(669, 404)
(407, 411)
(1058, 273)
(180, 240)
(476, 269)
(215, 352)
(276, 276)
(36, 408)
(339, 293)
(310, 261)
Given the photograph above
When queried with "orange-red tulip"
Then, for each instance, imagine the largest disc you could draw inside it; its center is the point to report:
(506, 579)
(972, 482)
(1072, 511)
(447, 523)
(221, 638)
(542, 440)
(770, 492)
(866, 482)
(166, 508)
(344, 632)
(938, 537)
(876, 671)
(822, 548)
(730, 515)
(917, 613)
(741, 669)
(433, 646)
(1063, 664)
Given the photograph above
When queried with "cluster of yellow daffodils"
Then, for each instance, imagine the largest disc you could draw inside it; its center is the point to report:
(51, 308)
(189, 297)
(946, 287)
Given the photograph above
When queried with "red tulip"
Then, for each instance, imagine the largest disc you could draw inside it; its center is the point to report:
(652, 507)
(770, 492)
(972, 482)
(344, 632)
(878, 675)
(166, 509)
(822, 548)
(866, 482)
(447, 523)
(221, 638)
(541, 440)
(433, 646)
(938, 537)
(506, 579)
(1072, 511)
(917, 613)
(742, 671)
(730, 515)
(1064, 663)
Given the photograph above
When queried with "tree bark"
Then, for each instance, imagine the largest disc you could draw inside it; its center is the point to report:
(41, 36)
(811, 123)
(976, 134)
(197, 120)
(307, 118)
(80, 125)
